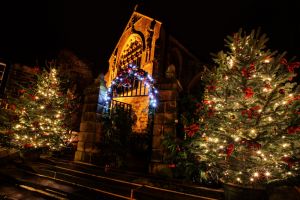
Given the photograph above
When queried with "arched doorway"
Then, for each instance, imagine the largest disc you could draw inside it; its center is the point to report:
(133, 88)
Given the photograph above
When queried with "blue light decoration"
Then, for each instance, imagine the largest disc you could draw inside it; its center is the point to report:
(124, 78)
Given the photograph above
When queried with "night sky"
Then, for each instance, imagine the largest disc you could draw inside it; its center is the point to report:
(32, 31)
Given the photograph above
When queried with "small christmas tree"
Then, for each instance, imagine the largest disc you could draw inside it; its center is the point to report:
(251, 131)
(43, 114)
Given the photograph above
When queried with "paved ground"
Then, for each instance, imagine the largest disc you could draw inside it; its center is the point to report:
(11, 192)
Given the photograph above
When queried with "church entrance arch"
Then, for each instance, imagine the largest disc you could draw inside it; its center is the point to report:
(133, 88)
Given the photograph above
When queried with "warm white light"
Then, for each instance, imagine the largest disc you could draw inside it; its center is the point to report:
(267, 173)
(285, 145)
(258, 152)
(256, 174)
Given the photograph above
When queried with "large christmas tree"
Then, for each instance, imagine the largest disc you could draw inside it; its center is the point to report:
(43, 114)
(251, 131)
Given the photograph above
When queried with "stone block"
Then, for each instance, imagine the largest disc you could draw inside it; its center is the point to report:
(167, 86)
(169, 130)
(89, 116)
(82, 156)
(89, 107)
(88, 126)
(80, 146)
(157, 155)
(169, 118)
(167, 95)
(98, 137)
(157, 129)
(89, 146)
(159, 118)
(92, 98)
(87, 136)
(161, 107)
(170, 106)
(78, 155)
(156, 141)
(99, 128)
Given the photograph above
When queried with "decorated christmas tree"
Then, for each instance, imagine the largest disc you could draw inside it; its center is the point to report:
(43, 114)
(250, 126)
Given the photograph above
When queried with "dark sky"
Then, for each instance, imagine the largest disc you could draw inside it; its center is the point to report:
(35, 30)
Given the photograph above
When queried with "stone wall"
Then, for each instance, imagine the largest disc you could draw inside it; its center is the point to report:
(164, 124)
(90, 126)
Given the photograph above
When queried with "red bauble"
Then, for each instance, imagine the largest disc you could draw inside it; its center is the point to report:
(211, 88)
(290, 161)
(22, 91)
(28, 145)
(252, 112)
(229, 150)
(248, 93)
(293, 129)
(282, 91)
(13, 107)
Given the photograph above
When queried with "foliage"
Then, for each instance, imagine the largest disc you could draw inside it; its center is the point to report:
(250, 133)
(185, 163)
(42, 114)
(117, 126)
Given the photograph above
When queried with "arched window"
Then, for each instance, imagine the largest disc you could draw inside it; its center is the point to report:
(132, 52)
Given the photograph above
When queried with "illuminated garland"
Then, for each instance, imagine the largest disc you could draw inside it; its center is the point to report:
(124, 79)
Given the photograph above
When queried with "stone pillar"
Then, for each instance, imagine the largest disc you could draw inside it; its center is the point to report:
(90, 126)
(164, 123)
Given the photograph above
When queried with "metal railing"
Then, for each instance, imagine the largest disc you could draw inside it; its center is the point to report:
(135, 88)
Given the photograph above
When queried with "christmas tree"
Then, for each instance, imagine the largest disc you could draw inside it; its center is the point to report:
(43, 111)
(250, 127)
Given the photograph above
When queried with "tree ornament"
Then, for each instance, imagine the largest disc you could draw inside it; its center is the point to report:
(229, 150)
(252, 112)
(293, 129)
(192, 129)
(282, 91)
(248, 93)
(251, 121)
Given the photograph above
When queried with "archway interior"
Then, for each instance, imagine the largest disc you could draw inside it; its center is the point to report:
(133, 88)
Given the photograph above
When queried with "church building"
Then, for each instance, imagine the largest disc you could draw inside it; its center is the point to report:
(149, 70)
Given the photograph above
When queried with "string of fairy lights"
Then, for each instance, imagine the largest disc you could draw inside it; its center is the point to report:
(41, 121)
(248, 132)
(125, 78)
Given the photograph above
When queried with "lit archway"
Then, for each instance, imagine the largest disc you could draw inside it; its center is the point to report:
(124, 79)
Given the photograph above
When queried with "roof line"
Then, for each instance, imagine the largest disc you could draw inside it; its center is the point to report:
(129, 21)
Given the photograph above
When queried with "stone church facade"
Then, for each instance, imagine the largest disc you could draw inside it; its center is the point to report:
(175, 70)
